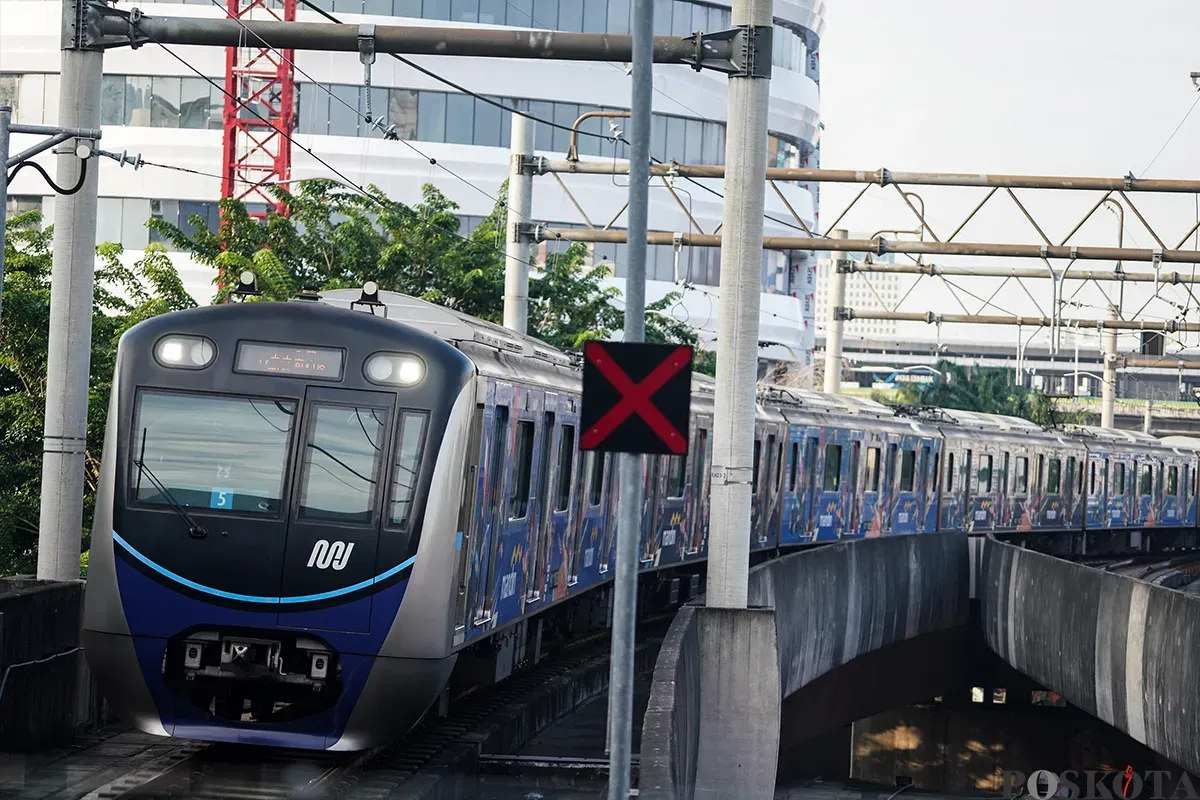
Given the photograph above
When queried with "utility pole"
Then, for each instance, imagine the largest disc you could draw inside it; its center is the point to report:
(630, 466)
(833, 335)
(1108, 391)
(69, 361)
(737, 331)
(520, 207)
(5, 119)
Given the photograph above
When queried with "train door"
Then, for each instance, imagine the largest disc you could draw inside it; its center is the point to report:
(651, 501)
(555, 466)
(333, 533)
(933, 459)
(812, 485)
(698, 502)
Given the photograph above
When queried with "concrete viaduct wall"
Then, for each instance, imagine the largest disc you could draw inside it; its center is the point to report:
(1125, 651)
(832, 605)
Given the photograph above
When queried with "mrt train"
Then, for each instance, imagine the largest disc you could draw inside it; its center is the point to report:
(308, 511)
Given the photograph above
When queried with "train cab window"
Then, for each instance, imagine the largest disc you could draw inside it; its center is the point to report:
(1119, 478)
(985, 474)
(833, 468)
(1054, 476)
(1021, 478)
(676, 466)
(754, 464)
(908, 459)
(950, 472)
(1148, 479)
(795, 466)
(1172, 481)
(518, 498)
(566, 462)
(206, 451)
(872, 477)
(339, 475)
(408, 460)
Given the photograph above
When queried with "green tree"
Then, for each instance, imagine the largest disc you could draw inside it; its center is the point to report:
(124, 296)
(989, 391)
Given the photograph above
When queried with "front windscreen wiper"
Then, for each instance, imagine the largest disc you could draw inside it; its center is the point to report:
(195, 530)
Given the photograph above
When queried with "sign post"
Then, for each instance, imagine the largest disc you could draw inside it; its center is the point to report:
(636, 401)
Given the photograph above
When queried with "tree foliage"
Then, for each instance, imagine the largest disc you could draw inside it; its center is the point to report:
(989, 391)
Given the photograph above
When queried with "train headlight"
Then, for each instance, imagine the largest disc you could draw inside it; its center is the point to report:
(401, 369)
(186, 352)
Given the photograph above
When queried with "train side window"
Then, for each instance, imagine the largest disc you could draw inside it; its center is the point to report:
(833, 467)
(1092, 478)
(778, 454)
(1119, 478)
(408, 460)
(518, 498)
(937, 476)
(967, 471)
(1079, 475)
(1173, 481)
(854, 467)
(1053, 476)
(754, 465)
(1021, 479)
(1039, 477)
(795, 466)
(676, 466)
(871, 479)
(908, 459)
(925, 451)
(950, 472)
(566, 462)
(772, 467)
(985, 474)
(1148, 479)
(1004, 475)
(596, 478)
(1183, 485)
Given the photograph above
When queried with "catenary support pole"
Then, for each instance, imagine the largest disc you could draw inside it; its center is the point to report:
(1108, 391)
(1147, 416)
(520, 207)
(5, 119)
(69, 360)
(833, 343)
(737, 326)
(629, 518)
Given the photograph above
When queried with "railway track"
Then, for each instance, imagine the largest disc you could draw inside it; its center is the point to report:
(188, 769)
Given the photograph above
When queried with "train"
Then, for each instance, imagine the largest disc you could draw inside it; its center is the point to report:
(309, 512)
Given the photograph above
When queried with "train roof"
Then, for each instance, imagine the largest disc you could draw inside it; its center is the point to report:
(444, 323)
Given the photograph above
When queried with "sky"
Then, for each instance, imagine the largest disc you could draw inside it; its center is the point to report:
(1062, 87)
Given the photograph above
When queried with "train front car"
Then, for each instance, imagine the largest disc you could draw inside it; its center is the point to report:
(269, 470)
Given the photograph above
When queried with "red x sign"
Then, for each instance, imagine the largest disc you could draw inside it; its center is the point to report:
(636, 398)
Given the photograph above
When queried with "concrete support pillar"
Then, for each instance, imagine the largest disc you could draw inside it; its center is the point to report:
(739, 703)
(1108, 391)
(1147, 416)
(833, 329)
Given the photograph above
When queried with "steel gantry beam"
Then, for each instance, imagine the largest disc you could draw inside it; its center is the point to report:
(881, 246)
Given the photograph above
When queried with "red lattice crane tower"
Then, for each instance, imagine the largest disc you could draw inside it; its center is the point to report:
(257, 153)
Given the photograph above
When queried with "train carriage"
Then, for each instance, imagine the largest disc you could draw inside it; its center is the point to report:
(309, 512)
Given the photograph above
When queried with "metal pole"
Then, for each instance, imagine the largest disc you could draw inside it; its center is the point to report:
(5, 119)
(1108, 392)
(520, 208)
(434, 41)
(882, 246)
(884, 177)
(630, 466)
(69, 359)
(1076, 391)
(833, 341)
(737, 326)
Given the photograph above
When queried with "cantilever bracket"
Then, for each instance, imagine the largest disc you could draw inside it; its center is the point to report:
(742, 52)
(81, 30)
(843, 313)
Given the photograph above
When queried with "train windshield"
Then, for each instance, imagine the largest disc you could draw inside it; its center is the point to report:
(208, 451)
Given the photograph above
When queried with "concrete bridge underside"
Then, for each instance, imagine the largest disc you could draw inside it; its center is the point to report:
(866, 626)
